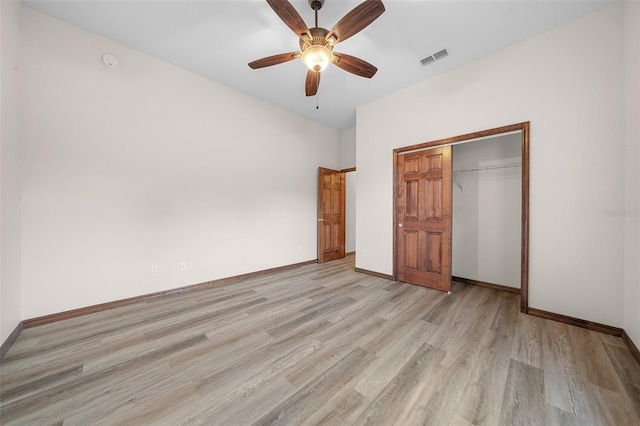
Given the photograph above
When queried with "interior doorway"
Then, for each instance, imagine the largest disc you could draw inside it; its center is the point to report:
(336, 213)
(522, 129)
(331, 214)
(486, 212)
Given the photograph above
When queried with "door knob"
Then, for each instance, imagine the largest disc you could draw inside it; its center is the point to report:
(321, 220)
(400, 225)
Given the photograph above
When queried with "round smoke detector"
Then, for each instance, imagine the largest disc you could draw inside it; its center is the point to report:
(111, 61)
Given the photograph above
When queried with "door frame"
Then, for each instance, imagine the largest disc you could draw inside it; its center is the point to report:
(524, 228)
(345, 171)
(340, 253)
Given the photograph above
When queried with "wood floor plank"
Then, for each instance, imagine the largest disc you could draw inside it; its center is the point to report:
(318, 344)
(628, 372)
(252, 406)
(165, 409)
(480, 404)
(611, 340)
(446, 304)
(507, 314)
(455, 378)
(397, 400)
(306, 401)
(226, 389)
(528, 345)
(203, 319)
(97, 399)
(565, 387)
(556, 416)
(316, 311)
(78, 384)
(8, 393)
(523, 402)
(258, 366)
(346, 337)
(343, 408)
(616, 408)
(592, 361)
(381, 371)
(457, 420)
(109, 401)
(463, 333)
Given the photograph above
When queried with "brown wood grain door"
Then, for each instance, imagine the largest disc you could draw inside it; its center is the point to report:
(331, 214)
(423, 218)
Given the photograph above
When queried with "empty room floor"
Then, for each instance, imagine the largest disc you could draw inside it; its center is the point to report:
(319, 344)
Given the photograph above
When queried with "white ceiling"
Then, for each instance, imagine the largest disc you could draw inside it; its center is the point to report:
(216, 39)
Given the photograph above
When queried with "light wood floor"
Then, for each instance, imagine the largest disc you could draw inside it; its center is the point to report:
(319, 344)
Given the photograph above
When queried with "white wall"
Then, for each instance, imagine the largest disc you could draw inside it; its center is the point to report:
(350, 222)
(347, 161)
(347, 148)
(486, 211)
(152, 165)
(632, 175)
(568, 83)
(10, 173)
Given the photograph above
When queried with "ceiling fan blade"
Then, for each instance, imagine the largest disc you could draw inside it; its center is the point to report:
(356, 20)
(354, 65)
(290, 16)
(274, 60)
(312, 83)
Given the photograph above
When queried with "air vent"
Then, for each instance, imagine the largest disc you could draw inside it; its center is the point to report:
(428, 60)
(441, 54)
(435, 57)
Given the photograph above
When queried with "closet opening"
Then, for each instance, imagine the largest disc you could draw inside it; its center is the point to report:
(486, 212)
(493, 164)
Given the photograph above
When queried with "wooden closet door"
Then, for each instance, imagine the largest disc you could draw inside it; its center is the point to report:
(423, 214)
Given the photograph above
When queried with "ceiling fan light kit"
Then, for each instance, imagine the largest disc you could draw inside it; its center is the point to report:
(317, 57)
(316, 44)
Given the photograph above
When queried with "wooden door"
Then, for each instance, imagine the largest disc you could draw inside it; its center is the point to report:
(331, 214)
(423, 218)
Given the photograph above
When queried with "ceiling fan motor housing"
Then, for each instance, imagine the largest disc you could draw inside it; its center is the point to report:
(318, 37)
(317, 52)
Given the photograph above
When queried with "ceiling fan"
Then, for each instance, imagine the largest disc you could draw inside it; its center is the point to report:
(316, 44)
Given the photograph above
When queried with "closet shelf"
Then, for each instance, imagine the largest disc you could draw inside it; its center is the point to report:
(484, 168)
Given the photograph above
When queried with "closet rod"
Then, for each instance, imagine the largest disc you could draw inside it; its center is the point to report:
(480, 169)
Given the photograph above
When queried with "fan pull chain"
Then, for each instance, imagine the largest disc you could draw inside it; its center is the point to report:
(317, 107)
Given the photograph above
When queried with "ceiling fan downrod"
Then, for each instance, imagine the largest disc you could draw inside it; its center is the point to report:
(316, 5)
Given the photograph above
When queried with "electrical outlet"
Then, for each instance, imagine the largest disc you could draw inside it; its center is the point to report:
(364, 253)
(183, 266)
(154, 269)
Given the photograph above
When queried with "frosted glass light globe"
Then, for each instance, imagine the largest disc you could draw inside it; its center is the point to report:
(317, 57)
